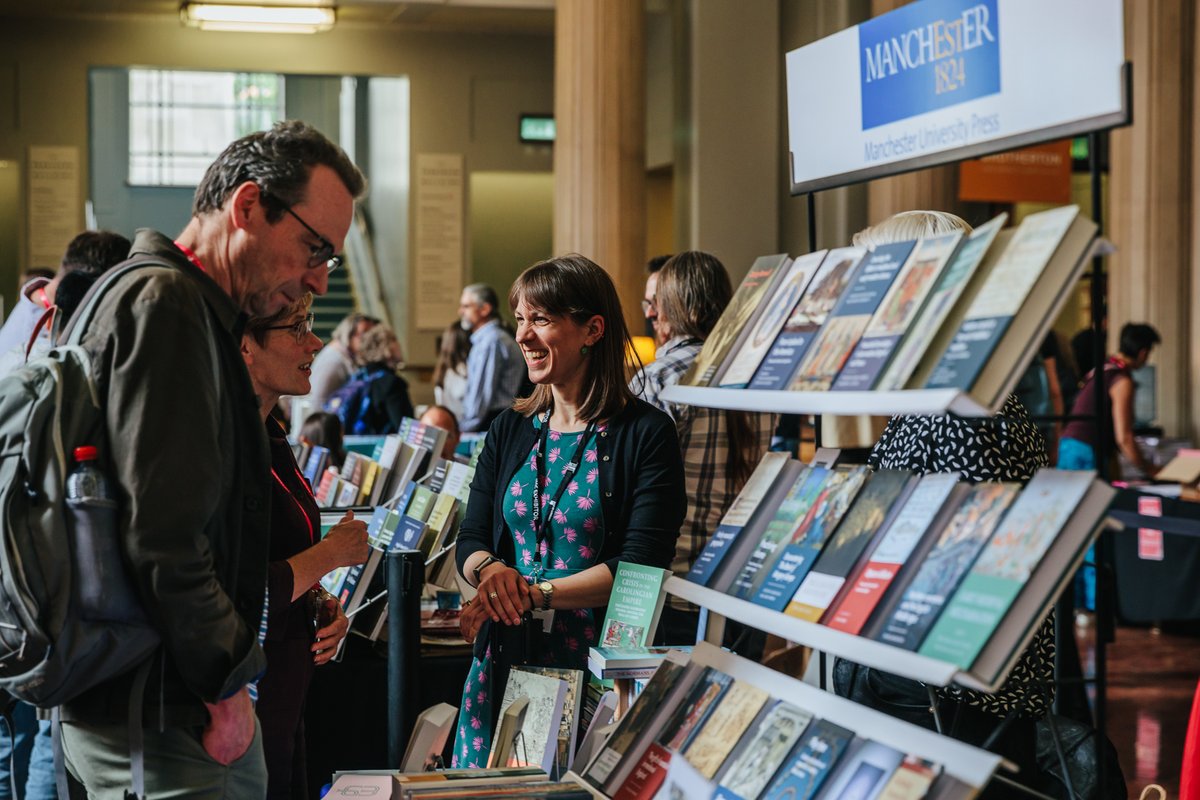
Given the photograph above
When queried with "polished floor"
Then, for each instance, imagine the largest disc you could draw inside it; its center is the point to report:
(1152, 677)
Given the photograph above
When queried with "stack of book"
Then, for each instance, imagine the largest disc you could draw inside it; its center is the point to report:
(947, 312)
(953, 571)
(741, 743)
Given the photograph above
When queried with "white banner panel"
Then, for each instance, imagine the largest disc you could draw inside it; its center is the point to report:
(943, 80)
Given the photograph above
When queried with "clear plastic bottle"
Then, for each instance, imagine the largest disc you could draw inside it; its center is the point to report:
(87, 481)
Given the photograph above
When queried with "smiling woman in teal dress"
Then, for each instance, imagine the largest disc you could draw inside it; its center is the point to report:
(572, 480)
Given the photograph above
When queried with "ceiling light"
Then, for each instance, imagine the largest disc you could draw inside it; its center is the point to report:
(261, 19)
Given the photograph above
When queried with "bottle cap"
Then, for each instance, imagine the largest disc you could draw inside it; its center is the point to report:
(85, 453)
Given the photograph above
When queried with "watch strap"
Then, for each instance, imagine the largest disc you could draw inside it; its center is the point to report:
(479, 567)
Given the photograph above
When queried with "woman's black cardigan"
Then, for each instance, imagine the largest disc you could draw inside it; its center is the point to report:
(642, 493)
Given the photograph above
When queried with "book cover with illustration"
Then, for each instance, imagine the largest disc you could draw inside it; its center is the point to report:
(543, 718)
(1001, 297)
(634, 606)
(637, 719)
(864, 771)
(575, 679)
(725, 726)
(761, 754)
(932, 331)
(779, 581)
(676, 735)
(955, 550)
(899, 309)
(760, 280)
(851, 317)
(891, 553)
(814, 758)
(1005, 565)
(791, 512)
(798, 333)
(744, 362)
(738, 516)
(877, 504)
(911, 780)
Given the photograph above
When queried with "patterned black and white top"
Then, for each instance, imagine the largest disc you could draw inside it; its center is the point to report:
(1007, 447)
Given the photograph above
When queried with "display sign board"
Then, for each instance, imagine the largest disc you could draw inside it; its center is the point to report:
(937, 81)
(1038, 174)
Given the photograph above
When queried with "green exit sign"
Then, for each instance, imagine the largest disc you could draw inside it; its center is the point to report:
(537, 128)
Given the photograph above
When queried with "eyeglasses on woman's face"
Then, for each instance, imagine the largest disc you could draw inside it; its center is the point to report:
(299, 329)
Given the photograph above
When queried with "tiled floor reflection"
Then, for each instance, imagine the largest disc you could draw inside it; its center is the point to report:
(1152, 678)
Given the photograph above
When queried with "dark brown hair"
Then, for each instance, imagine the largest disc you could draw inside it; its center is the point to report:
(573, 286)
(693, 289)
(257, 327)
(280, 161)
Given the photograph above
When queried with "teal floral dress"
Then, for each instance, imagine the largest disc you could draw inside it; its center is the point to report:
(572, 545)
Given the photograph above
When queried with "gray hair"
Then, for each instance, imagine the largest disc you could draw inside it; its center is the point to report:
(482, 293)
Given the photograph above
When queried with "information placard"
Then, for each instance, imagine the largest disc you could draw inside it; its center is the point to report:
(938, 81)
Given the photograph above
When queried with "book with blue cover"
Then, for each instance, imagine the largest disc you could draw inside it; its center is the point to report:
(941, 571)
(806, 319)
(779, 581)
(747, 505)
(791, 512)
(877, 504)
(900, 308)
(814, 758)
(851, 316)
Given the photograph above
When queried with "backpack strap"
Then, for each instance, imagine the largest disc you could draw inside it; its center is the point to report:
(87, 308)
(45, 321)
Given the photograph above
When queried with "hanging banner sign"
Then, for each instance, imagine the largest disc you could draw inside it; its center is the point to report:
(938, 81)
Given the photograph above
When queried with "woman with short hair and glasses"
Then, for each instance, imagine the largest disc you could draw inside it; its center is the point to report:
(278, 351)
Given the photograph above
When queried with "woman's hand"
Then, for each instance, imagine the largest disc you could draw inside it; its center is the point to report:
(327, 639)
(503, 594)
(346, 543)
(471, 620)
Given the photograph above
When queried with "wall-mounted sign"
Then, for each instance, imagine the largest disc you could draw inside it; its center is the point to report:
(537, 128)
(937, 81)
(439, 239)
(55, 213)
(1038, 174)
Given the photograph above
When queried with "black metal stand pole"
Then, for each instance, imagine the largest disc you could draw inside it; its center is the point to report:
(405, 575)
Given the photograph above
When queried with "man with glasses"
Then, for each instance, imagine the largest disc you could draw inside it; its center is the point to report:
(189, 458)
(650, 299)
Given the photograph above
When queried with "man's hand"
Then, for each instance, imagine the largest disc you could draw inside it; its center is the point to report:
(230, 728)
(327, 639)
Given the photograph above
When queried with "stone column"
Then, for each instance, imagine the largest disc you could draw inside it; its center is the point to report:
(599, 151)
(1152, 277)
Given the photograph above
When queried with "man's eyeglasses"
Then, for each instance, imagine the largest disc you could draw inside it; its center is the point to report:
(299, 329)
(320, 255)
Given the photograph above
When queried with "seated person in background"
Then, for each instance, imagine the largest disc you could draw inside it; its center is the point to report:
(442, 417)
(720, 448)
(375, 400)
(450, 371)
(495, 367)
(278, 350)
(607, 466)
(91, 253)
(1007, 447)
(1082, 436)
(325, 430)
(335, 363)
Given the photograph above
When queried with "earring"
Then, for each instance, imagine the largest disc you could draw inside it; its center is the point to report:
(583, 350)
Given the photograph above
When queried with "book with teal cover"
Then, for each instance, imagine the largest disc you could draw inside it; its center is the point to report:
(952, 555)
(791, 512)
(1005, 565)
(634, 606)
(779, 581)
